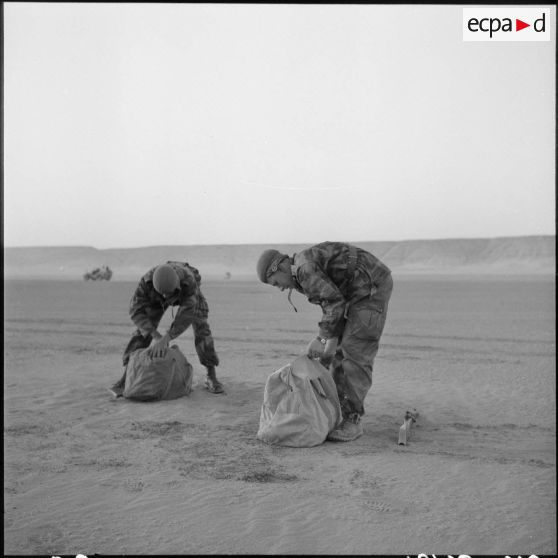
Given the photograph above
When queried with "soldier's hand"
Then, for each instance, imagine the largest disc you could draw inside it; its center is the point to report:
(330, 347)
(159, 346)
(315, 348)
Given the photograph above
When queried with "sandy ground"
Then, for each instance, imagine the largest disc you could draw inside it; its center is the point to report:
(85, 473)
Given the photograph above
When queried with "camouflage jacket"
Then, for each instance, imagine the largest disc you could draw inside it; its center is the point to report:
(320, 273)
(190, 301)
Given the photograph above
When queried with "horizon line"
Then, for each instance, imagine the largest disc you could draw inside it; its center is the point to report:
(356, 242)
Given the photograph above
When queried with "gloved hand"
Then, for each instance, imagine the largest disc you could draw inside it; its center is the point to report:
(159, 346)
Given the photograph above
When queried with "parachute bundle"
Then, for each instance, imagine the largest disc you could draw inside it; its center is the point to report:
(156, 378)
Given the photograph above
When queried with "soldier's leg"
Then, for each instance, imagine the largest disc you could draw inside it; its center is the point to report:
(352, 369)
(354, 376)
(344, 389)
(205, 346)
(361, 338)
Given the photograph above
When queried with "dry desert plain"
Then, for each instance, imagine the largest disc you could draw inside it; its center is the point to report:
(85, 473)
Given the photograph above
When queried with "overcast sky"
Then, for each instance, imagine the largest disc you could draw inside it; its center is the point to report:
(148, 124)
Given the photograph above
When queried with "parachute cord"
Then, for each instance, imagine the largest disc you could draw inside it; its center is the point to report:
(289, 298)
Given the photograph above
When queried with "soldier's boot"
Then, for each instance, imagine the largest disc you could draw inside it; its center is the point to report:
(350, 429)
(212, 384)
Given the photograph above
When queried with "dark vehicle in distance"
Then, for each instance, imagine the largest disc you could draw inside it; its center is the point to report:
(98, 274)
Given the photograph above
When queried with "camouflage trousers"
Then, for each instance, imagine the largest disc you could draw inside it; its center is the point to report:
(203, 340)
(353, 362)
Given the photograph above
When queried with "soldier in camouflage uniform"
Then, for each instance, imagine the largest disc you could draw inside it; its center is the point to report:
(353, 288)
(171, 284)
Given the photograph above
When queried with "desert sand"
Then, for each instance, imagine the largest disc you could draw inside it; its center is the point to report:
(86, 473)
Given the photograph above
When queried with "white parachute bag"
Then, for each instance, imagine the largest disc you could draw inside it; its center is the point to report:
(301, 405)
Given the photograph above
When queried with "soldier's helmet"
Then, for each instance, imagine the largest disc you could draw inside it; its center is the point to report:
(268, 264)
(165, 279)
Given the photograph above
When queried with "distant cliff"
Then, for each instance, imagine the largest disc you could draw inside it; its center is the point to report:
(506, 256)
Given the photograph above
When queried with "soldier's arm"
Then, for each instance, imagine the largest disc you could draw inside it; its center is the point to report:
(138, 304)
(321, 290)
(184, 317)
(188, 304)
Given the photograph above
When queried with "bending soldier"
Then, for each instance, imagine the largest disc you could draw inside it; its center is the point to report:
(353, 288)
(171, 284)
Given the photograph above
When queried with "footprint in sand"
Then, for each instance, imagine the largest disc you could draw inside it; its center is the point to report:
(46, 539)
